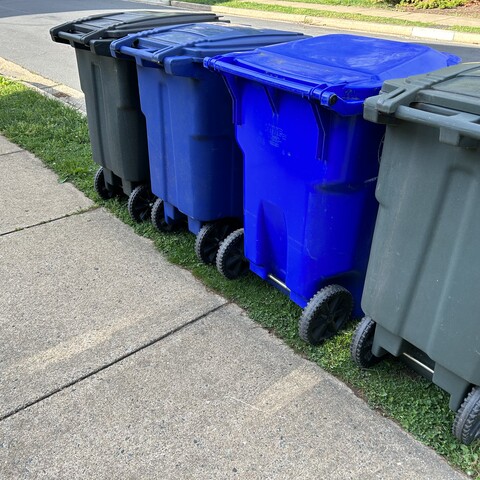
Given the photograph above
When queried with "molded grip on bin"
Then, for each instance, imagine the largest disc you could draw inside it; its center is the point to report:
(127, 52)
(123, 47)
(236, 70)
(326, 95)
(65, 32)
(70, 38)
(406, 92)
(458, 130)
(372, 114)
(181, 66)
(101, 47)
(126, 46)
(58, 33)
(330, 97)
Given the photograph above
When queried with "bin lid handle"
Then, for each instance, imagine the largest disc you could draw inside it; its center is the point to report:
(126, 45)
(387, 103)
(158, 54)
(332, 96)
(213, 64)
(64, 31)
(453, 128)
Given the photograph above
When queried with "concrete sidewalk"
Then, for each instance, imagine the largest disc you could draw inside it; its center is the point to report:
(116, 364)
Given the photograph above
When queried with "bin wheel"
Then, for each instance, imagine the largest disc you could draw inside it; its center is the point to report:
(140, 203)
(466, 426)
(326, 313)
(158, 217)
(231, 261)
(362, 342)
(100, 186)
(209, 238)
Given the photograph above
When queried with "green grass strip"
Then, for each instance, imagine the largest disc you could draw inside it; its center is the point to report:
(343, 3)
(328, 14)
(325, 13)
(58, 135)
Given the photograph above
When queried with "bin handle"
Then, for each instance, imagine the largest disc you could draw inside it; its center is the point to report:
(123, 45)
(325, 94)
(75, 37)
(154, 55)
(388, 102)
(60, 30)
(157, 55)
(452, 128)
(125, 51)
(211, 64)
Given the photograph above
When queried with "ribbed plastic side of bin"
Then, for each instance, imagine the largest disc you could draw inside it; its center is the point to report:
(195, 162)
(311, 160)
(116, 122)
(424, 265)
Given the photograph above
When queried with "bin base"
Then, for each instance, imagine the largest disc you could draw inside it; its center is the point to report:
(120, 184)
(174, 216)
(278, 284)
(350, 281)
(105, 190)
(419, 361)
(194, 225)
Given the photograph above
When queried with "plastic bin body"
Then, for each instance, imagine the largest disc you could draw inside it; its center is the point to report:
(115, 120)
(195, 162)
(424, 265)
(116, 123)
(309, 191)
(311, 160)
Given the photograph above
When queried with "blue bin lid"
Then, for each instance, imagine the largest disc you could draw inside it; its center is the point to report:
(196, 41)
(339, 70)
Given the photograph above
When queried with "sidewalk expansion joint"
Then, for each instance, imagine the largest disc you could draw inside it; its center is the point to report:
(112, 363)
(11, 153)
(45, 222)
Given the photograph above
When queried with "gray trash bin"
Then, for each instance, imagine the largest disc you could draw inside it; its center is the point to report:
(420, 294)
(115, 119)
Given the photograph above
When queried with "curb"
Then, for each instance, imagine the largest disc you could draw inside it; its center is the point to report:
(45, 86)
(335, 23)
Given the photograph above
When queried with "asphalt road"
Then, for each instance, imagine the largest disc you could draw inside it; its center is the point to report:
(25, 39)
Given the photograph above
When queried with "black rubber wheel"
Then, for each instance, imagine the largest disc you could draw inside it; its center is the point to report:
(158, 217)
(209, 239)
(466, 426)
(326, 313)
(100, 186)
(362, 342)
(140, 203)
(231, 261)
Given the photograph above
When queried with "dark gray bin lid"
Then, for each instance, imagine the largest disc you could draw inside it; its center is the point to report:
(180, 49)
(96, 32)
(448, 98)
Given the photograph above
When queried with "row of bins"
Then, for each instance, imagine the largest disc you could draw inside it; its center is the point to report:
(266, 156)
(115, 120)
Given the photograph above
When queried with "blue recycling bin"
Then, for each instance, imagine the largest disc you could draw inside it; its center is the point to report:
(311, 164)
(195, 163)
